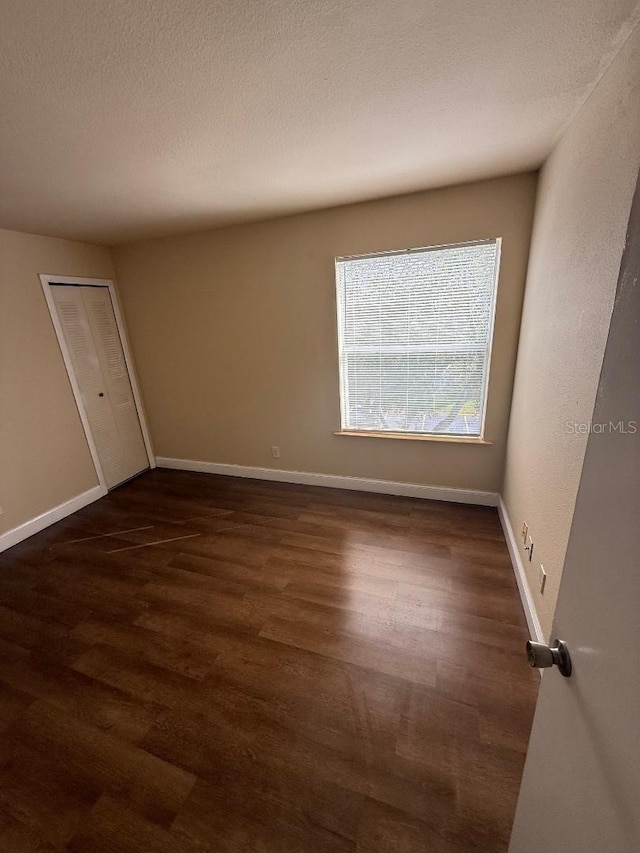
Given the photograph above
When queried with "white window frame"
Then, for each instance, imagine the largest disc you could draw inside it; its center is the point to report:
(420, 436)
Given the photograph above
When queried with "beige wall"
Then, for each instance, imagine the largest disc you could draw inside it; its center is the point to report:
(234, 334)
(44, 458)
(584, 197)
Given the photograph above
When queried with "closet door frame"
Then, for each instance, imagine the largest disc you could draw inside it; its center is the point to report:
(49, 280)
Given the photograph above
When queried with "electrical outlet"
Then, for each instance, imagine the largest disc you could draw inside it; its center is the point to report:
(275, 452)
(529, 547)
(542, 578)
(525, 530)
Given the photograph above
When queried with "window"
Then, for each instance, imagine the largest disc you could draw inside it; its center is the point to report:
(414, 334)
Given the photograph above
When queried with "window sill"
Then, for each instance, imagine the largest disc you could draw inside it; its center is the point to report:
(409, 436)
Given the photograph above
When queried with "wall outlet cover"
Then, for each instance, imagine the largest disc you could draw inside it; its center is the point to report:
(542, 578)
(529, 547)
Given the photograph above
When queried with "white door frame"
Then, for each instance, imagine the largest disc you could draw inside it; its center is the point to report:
(47, 281)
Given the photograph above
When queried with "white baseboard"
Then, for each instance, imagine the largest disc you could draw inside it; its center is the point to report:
(334, 481)
(528, 604)
(35, 525)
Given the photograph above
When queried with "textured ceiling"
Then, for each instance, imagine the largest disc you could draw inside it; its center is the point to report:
(123, 119)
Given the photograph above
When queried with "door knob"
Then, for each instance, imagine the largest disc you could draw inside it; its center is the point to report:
(542, 656)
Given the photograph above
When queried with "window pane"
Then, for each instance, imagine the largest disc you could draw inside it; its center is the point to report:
(414, 332)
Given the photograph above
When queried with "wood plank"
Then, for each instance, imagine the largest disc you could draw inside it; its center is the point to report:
(311, 671)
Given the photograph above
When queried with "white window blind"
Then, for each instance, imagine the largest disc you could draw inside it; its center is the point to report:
(414, 332)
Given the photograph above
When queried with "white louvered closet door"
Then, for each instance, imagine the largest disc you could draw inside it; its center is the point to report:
(92, 339)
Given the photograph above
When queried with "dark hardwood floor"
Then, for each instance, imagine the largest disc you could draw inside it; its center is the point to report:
(203, 664)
